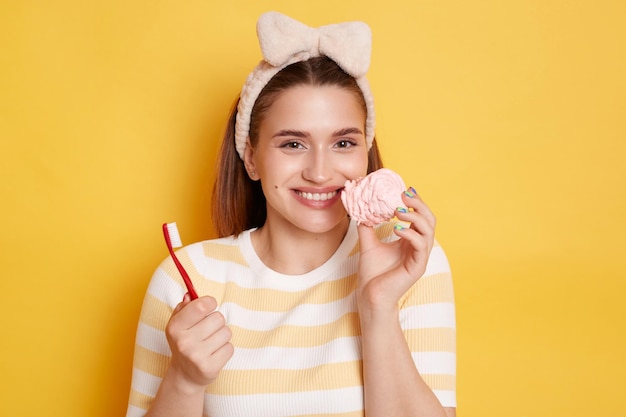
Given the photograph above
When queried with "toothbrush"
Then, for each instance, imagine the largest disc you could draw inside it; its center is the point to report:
(172, 239)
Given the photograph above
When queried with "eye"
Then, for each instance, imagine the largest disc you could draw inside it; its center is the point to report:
(345, 143)
(292, 144)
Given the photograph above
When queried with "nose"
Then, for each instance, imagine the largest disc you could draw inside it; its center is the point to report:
(318, 167)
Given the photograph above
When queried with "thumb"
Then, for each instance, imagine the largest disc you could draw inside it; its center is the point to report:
(182, 304)
(367, 238)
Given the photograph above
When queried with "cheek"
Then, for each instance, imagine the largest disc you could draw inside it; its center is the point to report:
(275, 170)
(357, 166)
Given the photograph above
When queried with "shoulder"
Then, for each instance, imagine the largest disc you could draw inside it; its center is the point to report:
(196, 254)
(227, 249)
(217, 244)
(437, 261)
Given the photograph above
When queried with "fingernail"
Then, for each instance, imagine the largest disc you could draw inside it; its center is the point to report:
(409, 194)
(398, 226)
(402, 210)
(411, 189)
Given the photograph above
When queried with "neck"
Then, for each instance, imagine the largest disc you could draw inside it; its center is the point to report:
(296, 252)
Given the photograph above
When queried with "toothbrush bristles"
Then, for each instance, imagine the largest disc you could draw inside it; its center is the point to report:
(172, 230)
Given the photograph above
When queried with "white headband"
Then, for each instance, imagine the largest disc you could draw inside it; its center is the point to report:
(285, 41)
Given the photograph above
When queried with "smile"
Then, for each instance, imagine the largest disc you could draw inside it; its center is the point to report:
(317, 196)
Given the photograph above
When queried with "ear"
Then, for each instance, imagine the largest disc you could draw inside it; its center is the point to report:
(248, 161)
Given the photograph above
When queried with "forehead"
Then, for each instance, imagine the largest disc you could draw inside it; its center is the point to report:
(309, 103)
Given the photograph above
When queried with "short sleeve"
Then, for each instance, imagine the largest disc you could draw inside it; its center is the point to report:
(152, 352)
(427, 318)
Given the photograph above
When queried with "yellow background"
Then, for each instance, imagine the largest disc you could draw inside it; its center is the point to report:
(507, 116)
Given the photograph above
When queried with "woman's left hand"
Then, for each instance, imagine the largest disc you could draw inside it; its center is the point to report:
(388, 270)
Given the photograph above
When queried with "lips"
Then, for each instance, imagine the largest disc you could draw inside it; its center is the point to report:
(317, 196)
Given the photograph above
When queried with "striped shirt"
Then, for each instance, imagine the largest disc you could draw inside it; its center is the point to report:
(296, 338)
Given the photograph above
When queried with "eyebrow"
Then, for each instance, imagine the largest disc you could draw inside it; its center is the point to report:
(301, 134)
(290, 132)
(348, 131)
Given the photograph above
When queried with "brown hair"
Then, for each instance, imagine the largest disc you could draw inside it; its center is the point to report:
(238, 202)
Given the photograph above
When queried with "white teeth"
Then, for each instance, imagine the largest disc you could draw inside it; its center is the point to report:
(317, 196)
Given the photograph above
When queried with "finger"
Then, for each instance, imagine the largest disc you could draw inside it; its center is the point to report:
(195, 311)
(421, 247)
(418, 222)
(208, 326)
(207, 359)
(218, 360)
(419, 225)
(414, 201)
(367, 238)
(179, 306)
(218, 339)
(223, 354)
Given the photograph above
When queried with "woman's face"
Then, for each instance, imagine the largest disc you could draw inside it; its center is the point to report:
(310, 143)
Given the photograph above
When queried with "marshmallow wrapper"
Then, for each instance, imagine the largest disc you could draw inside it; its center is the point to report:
(373, 199)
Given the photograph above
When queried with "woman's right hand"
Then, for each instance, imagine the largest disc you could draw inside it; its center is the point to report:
(200, 342)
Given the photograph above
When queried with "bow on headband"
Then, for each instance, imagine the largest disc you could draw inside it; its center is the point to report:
(283, 38)
(285, 41)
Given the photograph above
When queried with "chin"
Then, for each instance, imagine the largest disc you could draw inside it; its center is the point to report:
(320, 226)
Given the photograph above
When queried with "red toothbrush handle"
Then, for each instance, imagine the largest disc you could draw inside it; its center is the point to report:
(190, 289)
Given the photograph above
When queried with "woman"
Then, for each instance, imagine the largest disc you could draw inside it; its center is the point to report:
(303, 312)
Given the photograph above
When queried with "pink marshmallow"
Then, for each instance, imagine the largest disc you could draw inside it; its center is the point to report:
(373, 199)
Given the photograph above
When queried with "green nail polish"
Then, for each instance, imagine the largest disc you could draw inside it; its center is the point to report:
(398, 226)
(409, 194)
(402, 210)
